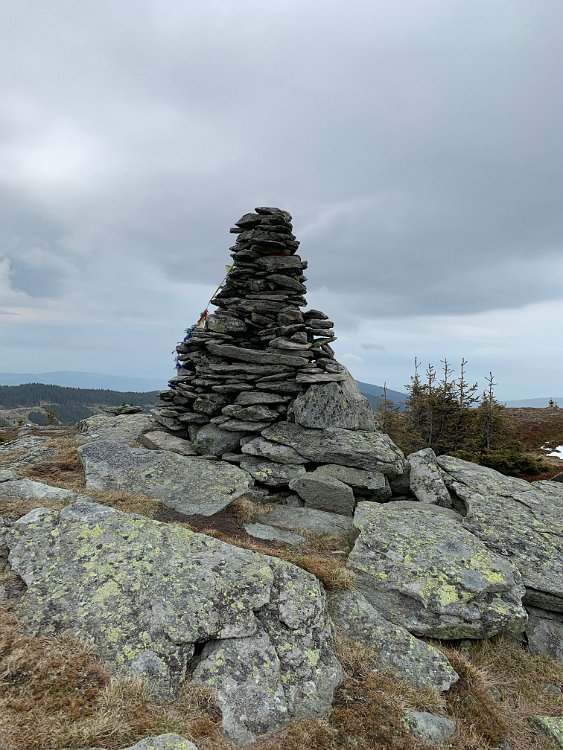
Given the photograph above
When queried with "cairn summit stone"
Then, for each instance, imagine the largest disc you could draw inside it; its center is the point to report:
(258, 375)
(334, 405)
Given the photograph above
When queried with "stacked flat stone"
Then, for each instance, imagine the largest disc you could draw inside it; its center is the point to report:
(261, 374)
(258, 350)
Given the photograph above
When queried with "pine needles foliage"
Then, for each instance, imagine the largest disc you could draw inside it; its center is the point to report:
(445, 412)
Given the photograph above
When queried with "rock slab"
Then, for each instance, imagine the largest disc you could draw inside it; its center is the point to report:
(410, 659)
(324, 493)
(356, 448)
(163, 441)
(271, 534)
(315, 521)
(125, 428)
(28, 489)
(429, 574)
(544, 632)
(521, 520)
(189, 485)
(425, 479)
(147, 592)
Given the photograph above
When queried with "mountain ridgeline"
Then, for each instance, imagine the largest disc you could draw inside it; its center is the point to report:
(68, 405)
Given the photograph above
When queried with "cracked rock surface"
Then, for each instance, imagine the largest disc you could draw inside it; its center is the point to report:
(409, 658)
(190, 485)
(521, 520)
(147, 593)
(424, 571)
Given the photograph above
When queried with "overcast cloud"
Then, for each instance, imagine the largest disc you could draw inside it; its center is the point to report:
(417, 144)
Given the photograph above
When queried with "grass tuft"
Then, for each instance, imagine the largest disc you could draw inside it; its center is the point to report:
(329, 569)
(64, 469)
(55, 694)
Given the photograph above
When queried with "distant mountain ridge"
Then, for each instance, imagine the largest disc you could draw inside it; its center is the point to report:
(36, 401)
(374, 394)
(537, 403)
(126, 383)
(70, 379)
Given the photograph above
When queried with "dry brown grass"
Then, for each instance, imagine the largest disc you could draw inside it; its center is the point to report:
(245, 510)
(14, 508)
(325, 542)
(331, 570)
(9, 457)
(55, 694)
(64, 469)
(523, 680)
(127, 502)
(526, 683)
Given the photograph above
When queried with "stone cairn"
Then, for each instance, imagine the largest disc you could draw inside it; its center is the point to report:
(257, 384)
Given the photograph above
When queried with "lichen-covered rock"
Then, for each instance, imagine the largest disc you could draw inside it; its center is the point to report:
(425, 479)
(518, 519)
(190, 485)
(163, 441)
(315, 521)
(552, 726)
(410, 659)
(427, 573)
(544, 633)
(163, 742)
(334, 405)
(11, 585)
(357, 448)
(324, 493)
(257, 689)
(429, 728)
(372, 483)
(246, 675)
(123, 428)
(271, 473)
(146, 592)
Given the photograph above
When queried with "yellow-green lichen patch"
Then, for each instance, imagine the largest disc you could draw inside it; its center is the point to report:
(520, 520)
(429, 573)
(145, 592)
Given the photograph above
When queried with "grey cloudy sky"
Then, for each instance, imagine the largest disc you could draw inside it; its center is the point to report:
(417, 143)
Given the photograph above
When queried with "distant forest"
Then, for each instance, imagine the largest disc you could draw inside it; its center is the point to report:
(69, 405)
